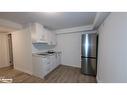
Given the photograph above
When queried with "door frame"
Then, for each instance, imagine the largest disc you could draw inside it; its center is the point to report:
(5, 50)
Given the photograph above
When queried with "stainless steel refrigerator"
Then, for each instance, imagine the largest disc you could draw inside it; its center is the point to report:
(89, 53)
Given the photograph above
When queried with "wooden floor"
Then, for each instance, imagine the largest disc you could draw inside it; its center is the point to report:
(62, 74)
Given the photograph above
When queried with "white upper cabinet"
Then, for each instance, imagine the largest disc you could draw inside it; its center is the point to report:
(51, 37)
(54, 42)
(38, 33)
(41, 35)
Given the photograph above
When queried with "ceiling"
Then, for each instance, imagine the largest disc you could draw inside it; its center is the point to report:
(54, 21)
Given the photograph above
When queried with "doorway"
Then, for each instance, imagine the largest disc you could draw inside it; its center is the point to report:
(10, 49)
(4, 50)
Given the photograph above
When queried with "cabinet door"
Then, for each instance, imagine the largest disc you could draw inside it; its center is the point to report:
(41, 33)
(46, 65)
(58, 59)
(37, 66)
(38, 33)
(54, 39)
(51, 37)
(48, 37)
(53, 61)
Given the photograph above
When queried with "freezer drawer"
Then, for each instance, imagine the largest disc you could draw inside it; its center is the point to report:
(88, 66)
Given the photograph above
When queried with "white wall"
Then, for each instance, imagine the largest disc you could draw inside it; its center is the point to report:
(112, 57)
(22, 50)
(70, 46)
(4, 50)
(7, 26)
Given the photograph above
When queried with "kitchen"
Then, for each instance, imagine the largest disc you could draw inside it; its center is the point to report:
(47, 47)
(37, 51)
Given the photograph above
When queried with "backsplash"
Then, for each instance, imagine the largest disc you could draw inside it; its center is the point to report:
(39, 47)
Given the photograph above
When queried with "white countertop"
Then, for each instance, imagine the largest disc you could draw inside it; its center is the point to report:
(37, 54)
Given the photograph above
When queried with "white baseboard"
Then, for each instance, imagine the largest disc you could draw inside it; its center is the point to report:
(2, 66)
(23, 70)
(71, 65)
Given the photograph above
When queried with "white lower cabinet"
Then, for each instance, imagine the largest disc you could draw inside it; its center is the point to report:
(38, 66)
(53, 61)
(44, 65)
(41, 66)
(58, 59)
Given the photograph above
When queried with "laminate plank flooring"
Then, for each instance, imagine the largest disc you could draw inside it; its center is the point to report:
(62, 74)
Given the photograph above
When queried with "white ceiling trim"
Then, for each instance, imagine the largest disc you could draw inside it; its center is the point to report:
(7, 25)
(74, 29)
(97, 21)
(80, 28)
